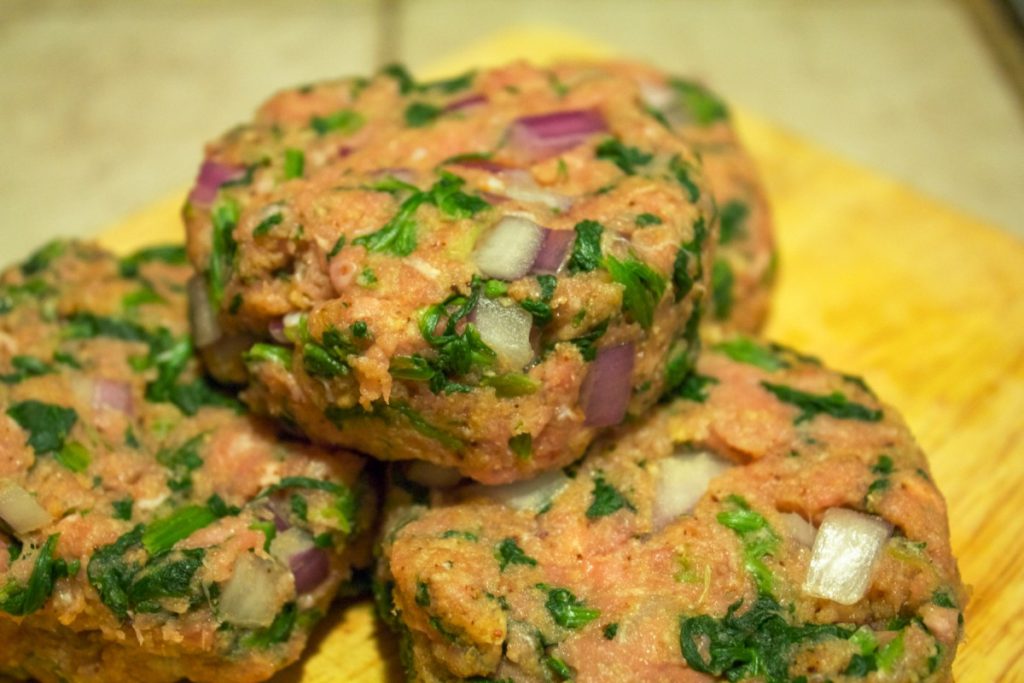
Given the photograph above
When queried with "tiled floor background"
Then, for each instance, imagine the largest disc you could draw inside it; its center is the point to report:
(104, 104)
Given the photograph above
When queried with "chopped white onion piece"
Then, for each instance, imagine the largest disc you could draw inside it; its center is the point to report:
(205, 327)
(508, 250)
(521, 186)
(20, 509)
(656, 96)
(293, 324)
(434, 476)
(532, 494)
(844, 554)
(799, 529)
(249, 598)
(681, 480)
(289, 542)
(506, 329)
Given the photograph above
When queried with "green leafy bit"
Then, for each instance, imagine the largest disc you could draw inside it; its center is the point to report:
(587, 342)
(647, 219)
(681, 171)
(406, 83)
(559, 668)
(422, 594)
(625, 157)
(722, 282)
(883, 465)
(511, 385)
(419, 114)
(567, 610)
(464, 535)
(746, 350)
(47, 424)
(812, 405)
(610, 631)
(181, 462)
(225, 215)
(606, 499)
(18, 600)
(189, 398)
(269, 353)
(757, 536)
(162, 534)
(643, 288)
(942, 598)
(339, 244)
(871, 657)
(693, 387)
(755, 644)
(140, 297)
(703, 105)
(521, 445)
(732, 220)
(74, 456)
(268, 223)
(40, 259)
(508, 552)
(682, 279)
(166, 576)
(173, 254)
(269, 531)
(343, 121)
(110, 573)
(24, 367)
(123, 508)
(294, 163)
(345, 501)
(586, 248)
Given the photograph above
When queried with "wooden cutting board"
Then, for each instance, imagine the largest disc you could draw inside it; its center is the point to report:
(926, 303)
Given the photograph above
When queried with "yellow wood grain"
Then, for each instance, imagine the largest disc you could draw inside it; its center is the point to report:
(926, 303)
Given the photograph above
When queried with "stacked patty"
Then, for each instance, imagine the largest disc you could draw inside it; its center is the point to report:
(481, 272)
(150, 529)
(776, 523)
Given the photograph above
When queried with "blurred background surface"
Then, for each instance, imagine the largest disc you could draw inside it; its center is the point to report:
(106, 104)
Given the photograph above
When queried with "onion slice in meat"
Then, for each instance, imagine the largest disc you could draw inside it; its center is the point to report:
(212, 174)
(249, 598)
(113, 395)
(844, 554)
(607, 387)
(20, 509)
(467, 102)
(681, 480)
(553, 250)
(531, 494)
(506, 330)
(309, 564)
(508, 250)
(799, 529)
(545, 135)
(205, 328)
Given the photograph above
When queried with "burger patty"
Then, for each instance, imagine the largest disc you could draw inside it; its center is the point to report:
(150, 530)
(775, 522)
(483, 272)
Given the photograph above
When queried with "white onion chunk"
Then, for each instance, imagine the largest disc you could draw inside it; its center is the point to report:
(508, 250)
(506, 330)
(249, 598)
(681, 480)
(20, 509)
(531, 494)
(845, 550)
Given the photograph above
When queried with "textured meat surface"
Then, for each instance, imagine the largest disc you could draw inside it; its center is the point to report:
(154, 488)
(584, 575)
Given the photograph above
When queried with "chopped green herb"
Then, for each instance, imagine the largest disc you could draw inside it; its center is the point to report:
(510, 385)
(610, 631)
(140, 297)
(279, 631)
(161, 535)
(25, 367)
(40, 259)
(167, 576)
(586, 249)
(267, 224)
(406, 84)
(508, 553)
(225, 215)
(294, 163)
(419, 114)
(344, 121)
(452, 85)
(464, 535)
(123, 508)
(219, 508)
(758, 539)
(320, 362)
(366, 277)
(567, 610)
(299, 507)
(883, 465)
(643, 288)
(74, 456)
(111, 574)
(19, 600)
(271, 353)
(625, 157)
(521, 445)
(495, 288)
(746, 350)
(682, 280)
(812, 405)
(607, 499)
(732, 220)
(173, 254)
(269, 530)
(181, 462)
(339, 244)
(647, 219)
(540, 311)
(703, 105)
(422, 594)
(587, 342)
(47, 424)
(694, 387)
(681, 170)
(559, 668)
(722, 282)
(942, 598)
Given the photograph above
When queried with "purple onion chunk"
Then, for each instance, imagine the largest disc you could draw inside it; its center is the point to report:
(549, 134)
(608, 385)
(310, 568)
(466, 102)
(212, 174)
(552, 250)
(108, 394)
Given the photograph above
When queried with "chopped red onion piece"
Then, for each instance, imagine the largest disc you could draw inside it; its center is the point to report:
(546, 135)
(345, 150)
(280, 518)
(113, 395)
(310, 568)
(467, 102)
(508, 250)
(205, 328)
(607, 387)
(212, 174)
(276, 329)
(552, 250)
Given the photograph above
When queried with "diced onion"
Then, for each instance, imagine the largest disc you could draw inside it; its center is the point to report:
(552, 251)
(520, 185)
(844, 554)
(113, 395)
(799, 529)
(434, 476)
(531, 494)
(293, 324)
(212, 174)
(309, 564)
(681, 480)
(20, 509)
(607, 387)
(506, 330)
(205, 328)
(249, 598)
(508, 250)
(289, 542)
(276, 329)
(543, 136)
(467, 102)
